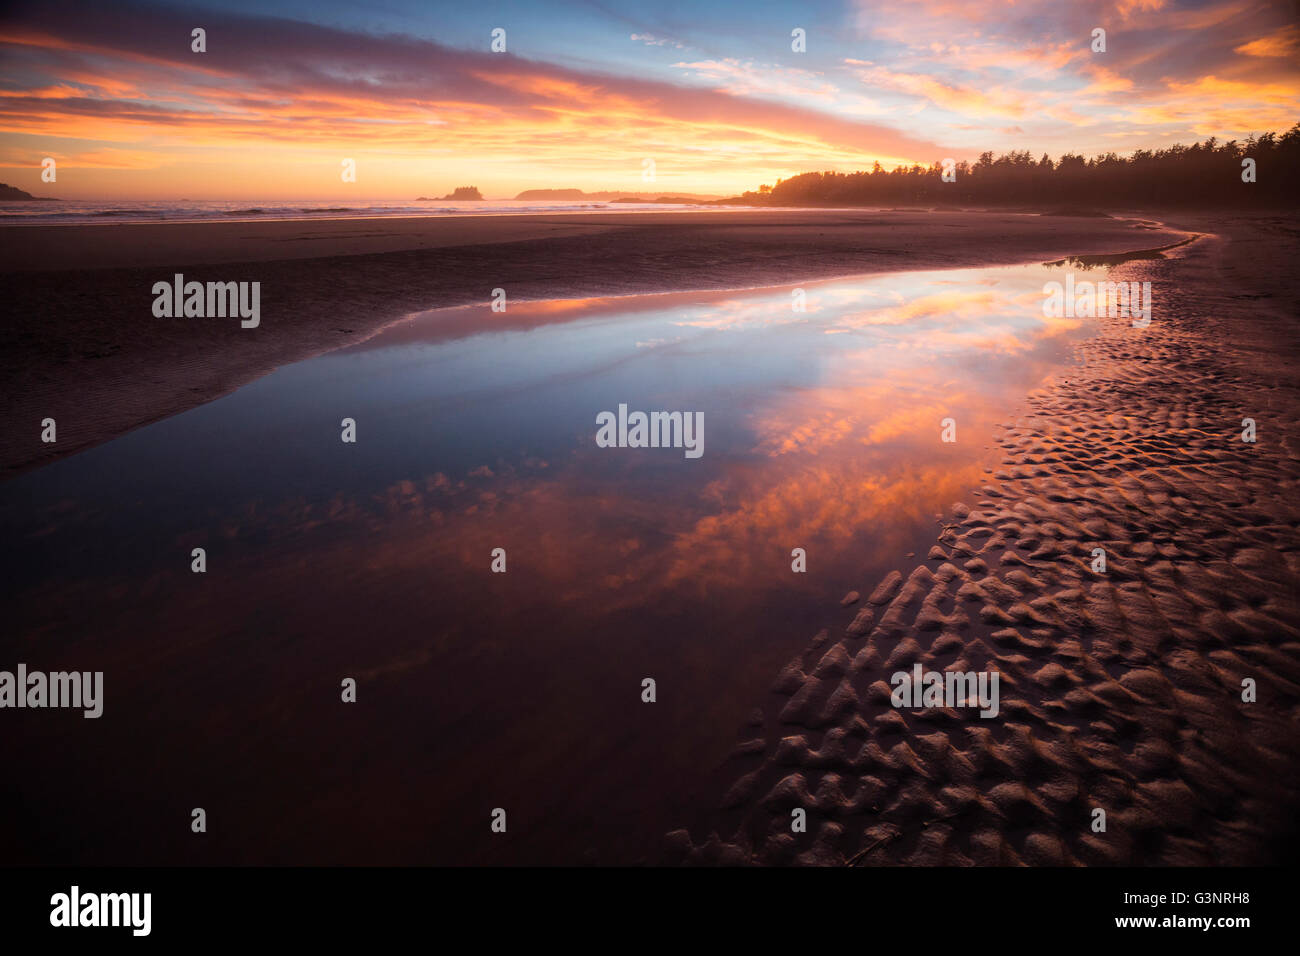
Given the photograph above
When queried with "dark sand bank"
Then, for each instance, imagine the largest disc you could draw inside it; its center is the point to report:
(80, 343)
(1120, 691)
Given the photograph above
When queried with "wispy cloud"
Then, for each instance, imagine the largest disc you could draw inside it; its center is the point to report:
(985, 61)
(127, 77)
(277, 103)
(651, 40)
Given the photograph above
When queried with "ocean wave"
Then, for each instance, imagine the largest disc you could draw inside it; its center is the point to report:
(192, 210)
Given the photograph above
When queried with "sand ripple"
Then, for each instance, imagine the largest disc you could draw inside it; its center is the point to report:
(1119, 690)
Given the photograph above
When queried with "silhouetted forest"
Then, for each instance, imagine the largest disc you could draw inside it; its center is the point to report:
(1208, 173)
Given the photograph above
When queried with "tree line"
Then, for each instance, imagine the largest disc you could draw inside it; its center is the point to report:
(1209, 173)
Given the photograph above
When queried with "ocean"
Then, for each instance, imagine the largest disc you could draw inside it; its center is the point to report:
(199, 210)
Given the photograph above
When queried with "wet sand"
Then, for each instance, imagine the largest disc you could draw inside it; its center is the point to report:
(519, 689)
(1121, 690)
(80, 343)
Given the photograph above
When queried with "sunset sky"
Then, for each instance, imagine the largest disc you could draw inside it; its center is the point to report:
(711, 91)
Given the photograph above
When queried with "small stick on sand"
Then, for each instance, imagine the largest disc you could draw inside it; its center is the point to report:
(853, 861)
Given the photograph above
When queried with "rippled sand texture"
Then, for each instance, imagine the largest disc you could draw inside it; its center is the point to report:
(1119, 691)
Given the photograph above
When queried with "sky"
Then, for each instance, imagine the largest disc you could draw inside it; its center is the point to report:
(706, 96)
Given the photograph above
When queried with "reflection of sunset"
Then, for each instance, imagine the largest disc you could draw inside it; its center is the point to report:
(477, 433)
(941, 304)
(855, 448)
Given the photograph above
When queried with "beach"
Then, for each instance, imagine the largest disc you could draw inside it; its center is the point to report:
(1122, 690)
(82, 346)
(574, 435)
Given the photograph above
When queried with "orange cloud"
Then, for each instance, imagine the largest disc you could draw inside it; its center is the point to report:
(1284, 43)
(291, 94)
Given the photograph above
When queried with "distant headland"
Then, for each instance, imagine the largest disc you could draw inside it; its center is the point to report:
(13, 194)
(459, 194)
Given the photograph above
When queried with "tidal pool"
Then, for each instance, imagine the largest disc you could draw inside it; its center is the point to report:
(476, 431)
